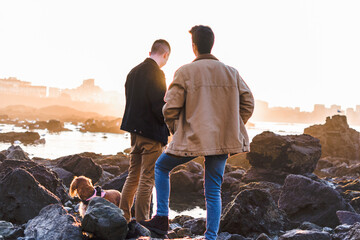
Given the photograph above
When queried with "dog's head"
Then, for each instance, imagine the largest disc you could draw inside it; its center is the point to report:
(81, 186)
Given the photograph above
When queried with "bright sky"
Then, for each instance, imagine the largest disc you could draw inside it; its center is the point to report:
(290, 52)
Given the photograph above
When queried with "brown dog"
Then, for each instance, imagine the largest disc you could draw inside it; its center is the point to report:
(83, 187)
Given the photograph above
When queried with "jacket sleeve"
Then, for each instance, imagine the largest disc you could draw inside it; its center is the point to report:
(246, 100)
(156, 92)
(175, 100)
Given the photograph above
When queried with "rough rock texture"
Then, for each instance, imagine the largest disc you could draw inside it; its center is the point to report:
(81, 166)
(337, 138)
(117, 182)
(187, 186)
(228, 236)
(22, 197)
(6, 228)
(64, 175)
(349, 218)
(136, 230)
(296, 154)
(16, 152)
(252, 212)
(24, 137)
(304, 199)
(54, 222)
(197, 226)
(298, 234)
(43, 175)
(347, 232)
(104, 220)
(2, 157)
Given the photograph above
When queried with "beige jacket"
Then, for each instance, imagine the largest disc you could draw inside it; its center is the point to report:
(207, 105)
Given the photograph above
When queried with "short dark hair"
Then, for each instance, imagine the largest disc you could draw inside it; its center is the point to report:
(160, 46)
(203, 38)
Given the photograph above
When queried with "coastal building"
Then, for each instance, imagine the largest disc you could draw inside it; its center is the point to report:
(13, 86)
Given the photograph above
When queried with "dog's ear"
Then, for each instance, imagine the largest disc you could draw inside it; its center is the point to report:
(73, 187)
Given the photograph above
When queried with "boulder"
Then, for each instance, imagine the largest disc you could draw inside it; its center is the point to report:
(296, 154)
(22, 197)
(337, 138)
(349, 218)
(347, 232)
(298, 234)
(16, 152)
(180, 219)
(24, 137)
(64, 175)
(81, 166)
(304, 199)
(136, 230)
(53, 222)
(197, 226)
(43, 175)
(117, 182)
(251, 213)
(104, 220)
(186, 183)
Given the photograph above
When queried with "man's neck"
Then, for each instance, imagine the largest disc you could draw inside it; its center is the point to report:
(156, 59)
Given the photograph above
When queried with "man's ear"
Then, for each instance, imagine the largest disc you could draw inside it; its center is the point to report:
(149, 54)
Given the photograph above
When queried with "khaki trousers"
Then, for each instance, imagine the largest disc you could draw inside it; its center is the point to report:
(143, 155)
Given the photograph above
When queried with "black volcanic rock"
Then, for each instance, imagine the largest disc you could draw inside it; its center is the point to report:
(53, 222)
(81, 166)
(22, 197)
(104, 220)
(117, 182)
(337, 138)
(251, 213)
(304, 199)
(296, 154)
(45, 176)
(298, 234)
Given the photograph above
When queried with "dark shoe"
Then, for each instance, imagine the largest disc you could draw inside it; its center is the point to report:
(158, 224)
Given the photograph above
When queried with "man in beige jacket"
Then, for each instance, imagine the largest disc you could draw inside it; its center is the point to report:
(207, 107)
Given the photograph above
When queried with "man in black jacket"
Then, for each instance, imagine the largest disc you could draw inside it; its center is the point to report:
(145, 89)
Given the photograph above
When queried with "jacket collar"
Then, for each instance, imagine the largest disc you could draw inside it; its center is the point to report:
(206, 56)
(152, 61)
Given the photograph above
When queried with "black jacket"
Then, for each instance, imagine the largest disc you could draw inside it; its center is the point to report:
(145, 89)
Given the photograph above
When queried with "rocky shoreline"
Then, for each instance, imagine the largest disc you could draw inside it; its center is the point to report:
(287, 187)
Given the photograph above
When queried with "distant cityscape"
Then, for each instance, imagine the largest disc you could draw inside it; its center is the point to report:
(89, 97)
(293, 115)
(86, 97)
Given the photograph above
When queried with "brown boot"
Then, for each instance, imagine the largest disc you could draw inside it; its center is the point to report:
(158, 224)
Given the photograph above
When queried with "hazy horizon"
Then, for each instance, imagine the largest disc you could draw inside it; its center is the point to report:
(291, 53)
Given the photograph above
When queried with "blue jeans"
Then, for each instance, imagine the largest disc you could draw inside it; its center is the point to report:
(214, 171)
